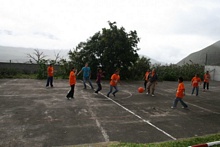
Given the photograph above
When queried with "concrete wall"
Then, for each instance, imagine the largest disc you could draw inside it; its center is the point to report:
(22, 67)
(214, 72)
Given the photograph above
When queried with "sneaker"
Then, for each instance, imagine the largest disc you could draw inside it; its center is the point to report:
(68, 98)
(173, 107)
(153, 95)
(147, 93)
(96, 93)
(113, 94)
(107, 95)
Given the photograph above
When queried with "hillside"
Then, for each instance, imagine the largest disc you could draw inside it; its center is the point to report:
(19, 54)
(207, 56)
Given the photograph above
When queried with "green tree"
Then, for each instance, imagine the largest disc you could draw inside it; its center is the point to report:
(140, 67)
(110, 49)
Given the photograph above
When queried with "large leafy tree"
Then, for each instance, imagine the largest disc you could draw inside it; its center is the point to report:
(140, 67)
(112, 48)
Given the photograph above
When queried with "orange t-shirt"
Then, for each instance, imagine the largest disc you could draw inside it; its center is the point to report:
(114, 79)
(50, 71)
(206, 78)
(196, 81)
(146, 75)
(72, 78)
(180, 90)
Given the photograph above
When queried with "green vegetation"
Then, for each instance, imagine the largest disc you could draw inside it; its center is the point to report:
(172, 72)
(112, 48)
(178, 143)
(13, 73)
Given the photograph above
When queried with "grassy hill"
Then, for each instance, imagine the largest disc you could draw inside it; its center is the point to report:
(207, 56)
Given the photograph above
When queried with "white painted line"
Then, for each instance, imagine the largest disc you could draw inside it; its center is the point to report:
(104, 134)
(146, 121)
(9, 95)
(203, 108)
(198, 106)
(130, 94)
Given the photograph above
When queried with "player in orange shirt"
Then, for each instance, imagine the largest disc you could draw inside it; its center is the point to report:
(146, 78)
(72, 82)
(50, 75)
(180, 93)
(195, 84)
(207, 77)
(152, 82)
(113, 83)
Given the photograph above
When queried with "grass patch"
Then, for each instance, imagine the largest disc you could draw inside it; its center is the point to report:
(178, 143)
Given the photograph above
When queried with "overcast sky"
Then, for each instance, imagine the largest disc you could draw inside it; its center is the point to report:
(169, 29)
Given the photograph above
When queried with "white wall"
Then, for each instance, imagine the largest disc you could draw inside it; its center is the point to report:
(214, 71)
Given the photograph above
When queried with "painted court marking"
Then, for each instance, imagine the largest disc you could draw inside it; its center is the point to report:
(197, 106)
(139, 117)
(203, 108)
(104, 134)
(130, 94)
(146, 121)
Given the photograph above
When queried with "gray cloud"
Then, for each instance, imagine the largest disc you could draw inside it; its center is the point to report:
(198, 21)
(47, 35)
(6, 32)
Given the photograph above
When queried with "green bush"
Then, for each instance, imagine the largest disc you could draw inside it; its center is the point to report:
(8, 72)
(172, 72)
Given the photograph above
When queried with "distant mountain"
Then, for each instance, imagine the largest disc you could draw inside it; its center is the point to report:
(19, 54)
(207, 56)
(153, 61)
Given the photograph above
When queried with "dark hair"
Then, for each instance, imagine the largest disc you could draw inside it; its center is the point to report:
(180, 79)
(72, 68)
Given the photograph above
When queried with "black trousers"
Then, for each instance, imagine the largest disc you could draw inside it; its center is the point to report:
(71, 92)
(145, 84)
(99, 87)
(49, 81)
(205, 84)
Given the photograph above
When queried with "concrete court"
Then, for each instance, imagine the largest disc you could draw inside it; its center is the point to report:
(32, 115)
